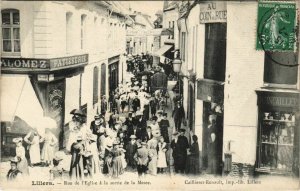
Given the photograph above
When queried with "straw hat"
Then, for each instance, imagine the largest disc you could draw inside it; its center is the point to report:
(18, 139)
(132, 137)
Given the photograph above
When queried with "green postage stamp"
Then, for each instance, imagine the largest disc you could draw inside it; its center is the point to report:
(276, 27)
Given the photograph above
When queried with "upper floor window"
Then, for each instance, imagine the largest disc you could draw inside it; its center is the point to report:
(11, 31)
(95, 85)
(68, 32)
(215, 51)
(83, 31)
(280, 69)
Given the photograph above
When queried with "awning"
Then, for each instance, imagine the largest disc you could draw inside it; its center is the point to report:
(19, 99)
(162, 50)
(167, 32)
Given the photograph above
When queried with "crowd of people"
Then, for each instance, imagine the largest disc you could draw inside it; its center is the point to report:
(132, 132)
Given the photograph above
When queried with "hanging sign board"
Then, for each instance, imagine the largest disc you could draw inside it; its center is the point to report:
(213, 12)
(210, 91)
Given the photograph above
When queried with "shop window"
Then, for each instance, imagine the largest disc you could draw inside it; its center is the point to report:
(276, 71)
(95, 85)
(215, 51)
(276, 152)
(68, 32)
(83, 32)
(11, 31)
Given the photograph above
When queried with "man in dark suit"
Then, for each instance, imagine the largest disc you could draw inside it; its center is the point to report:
(178, 115)
(136, 104)
(181, 152)
(129, 122)
(131, 149)
(148, 135)
(103, 105)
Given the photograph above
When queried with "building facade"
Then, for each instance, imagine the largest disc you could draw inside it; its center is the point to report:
(242, 95)
(66, 52)
(139, 34)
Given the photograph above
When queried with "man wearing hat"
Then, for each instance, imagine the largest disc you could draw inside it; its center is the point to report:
(131, 149)
(103, 105)
(174, 148)
(164, 125)
(14, 174)
(142, 159)
(33, 139)
(141, 125)
(131, 96)
(178, 115)
(136, 103)
(56, 171)
(181, 152)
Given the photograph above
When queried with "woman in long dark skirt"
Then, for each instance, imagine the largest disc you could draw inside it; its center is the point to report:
(76, 167)
(153, 106)
(193, 162)
(164, 125)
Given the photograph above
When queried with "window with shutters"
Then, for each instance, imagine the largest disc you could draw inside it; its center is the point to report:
(68, 32)
(83, 32)
(281, 69)
(11, 31)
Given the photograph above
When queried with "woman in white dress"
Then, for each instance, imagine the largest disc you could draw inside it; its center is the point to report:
(49, 144)
(152, 149)
(34, 139)
(20, 153)
(161, 156)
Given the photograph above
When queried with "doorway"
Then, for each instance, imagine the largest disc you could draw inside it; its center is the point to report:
(212, 149)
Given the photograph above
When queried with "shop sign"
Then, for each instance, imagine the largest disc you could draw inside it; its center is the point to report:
(65, 62)
(45, 77)
(211, 91)
(278, 99)
(24, 65)
(213, 12)
(276, 26)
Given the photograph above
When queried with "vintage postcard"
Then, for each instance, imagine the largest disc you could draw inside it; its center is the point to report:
(150, 95)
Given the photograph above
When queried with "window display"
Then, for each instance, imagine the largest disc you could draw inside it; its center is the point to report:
(276, 141)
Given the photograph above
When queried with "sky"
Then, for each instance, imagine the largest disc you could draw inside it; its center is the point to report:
(148, 7)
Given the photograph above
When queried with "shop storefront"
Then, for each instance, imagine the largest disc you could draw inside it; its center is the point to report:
(211, 89)
(48, 80)
(278, 135)
(212, 94)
